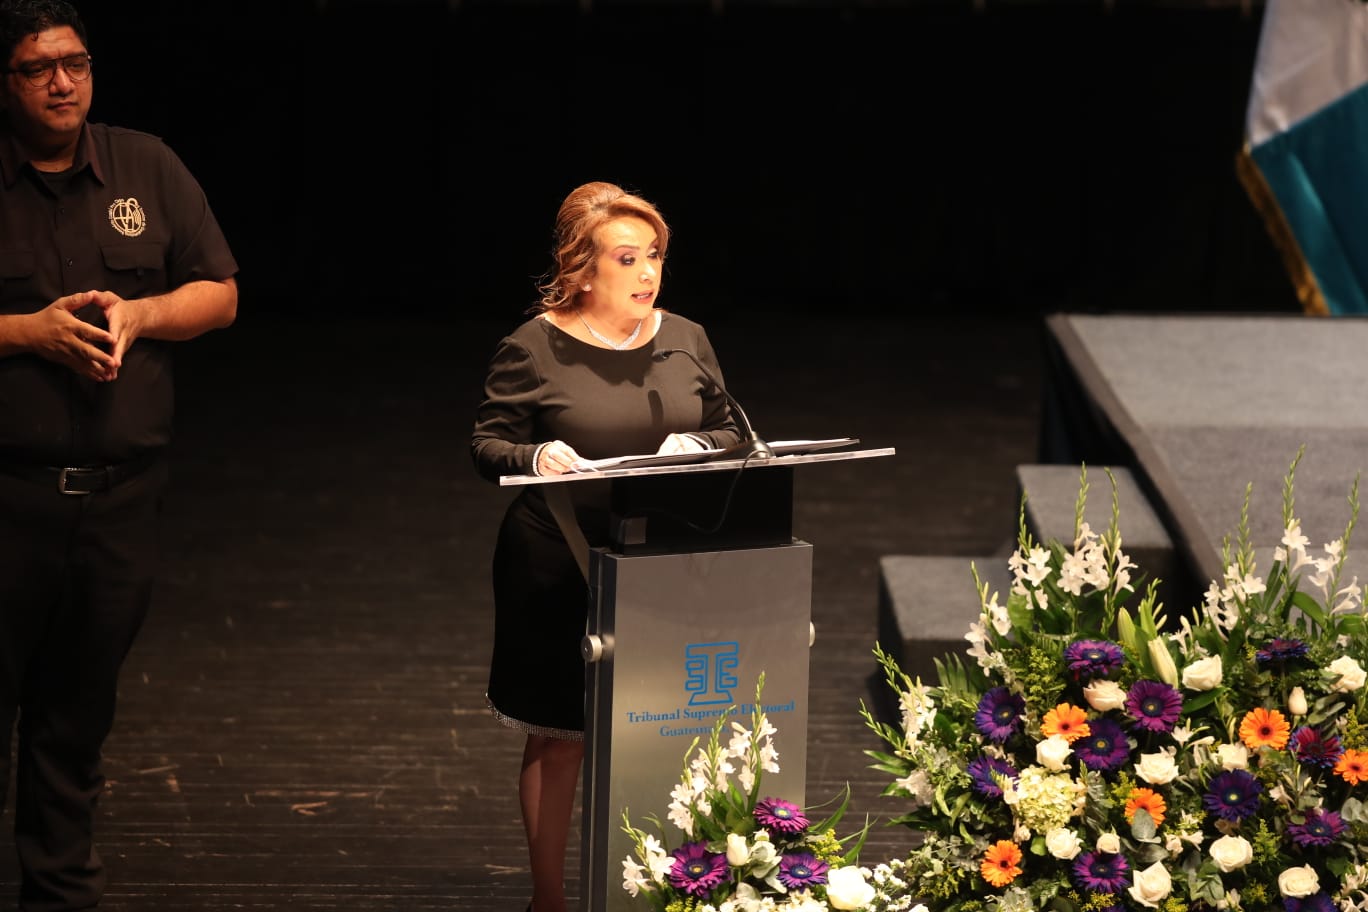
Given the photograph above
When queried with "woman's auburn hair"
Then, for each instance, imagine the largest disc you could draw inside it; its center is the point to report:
(589, 207)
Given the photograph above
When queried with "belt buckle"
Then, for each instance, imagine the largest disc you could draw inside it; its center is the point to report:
(62, 477)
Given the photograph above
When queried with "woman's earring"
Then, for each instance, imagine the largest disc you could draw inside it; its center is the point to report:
(586, 286)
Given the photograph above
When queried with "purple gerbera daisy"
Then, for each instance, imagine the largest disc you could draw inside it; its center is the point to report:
(1101, 872)
(1089, 659)
(783, 816)
(999, 714)
(1233, 795)
(1154, 705)
(802, 869)
(1105, 747)
(1280, 650)
(982, 771)
(1319, 901)
(696, 870)
(1311, 748)
(1320, 828)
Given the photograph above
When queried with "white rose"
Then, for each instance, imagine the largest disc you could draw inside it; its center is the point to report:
(1157, 769)
(1351, 675)
(1151, 885)
(1231, 853)
(1203, 674)
(1104, 695)
(1163, 662)
(1053, 752)
(1296, 702)
(1063, 843)
(738, 853)
(846, 888)
(1298, 881)
(1109, 843)
(1233, 756)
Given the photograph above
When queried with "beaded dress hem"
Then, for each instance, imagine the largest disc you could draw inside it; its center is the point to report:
(527, 728)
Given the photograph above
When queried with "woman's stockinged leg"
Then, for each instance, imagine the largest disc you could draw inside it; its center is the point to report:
(546, 787)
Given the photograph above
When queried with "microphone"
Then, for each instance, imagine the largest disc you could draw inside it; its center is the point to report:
(750, 448)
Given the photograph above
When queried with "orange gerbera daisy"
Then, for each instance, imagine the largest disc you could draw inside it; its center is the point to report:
(1264, 728)
(1066, 720)
(999, 865)
(1148, 799)
(1353, 766)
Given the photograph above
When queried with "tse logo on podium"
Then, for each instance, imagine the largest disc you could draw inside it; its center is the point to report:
(708, 667)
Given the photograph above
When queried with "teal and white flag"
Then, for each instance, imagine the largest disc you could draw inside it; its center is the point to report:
(1305, 161)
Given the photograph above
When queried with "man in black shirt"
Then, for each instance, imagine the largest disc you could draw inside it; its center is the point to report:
(108, 254)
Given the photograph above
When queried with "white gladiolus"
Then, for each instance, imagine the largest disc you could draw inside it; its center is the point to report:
(633, 876)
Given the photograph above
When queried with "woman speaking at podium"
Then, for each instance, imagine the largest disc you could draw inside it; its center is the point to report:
(578, 381)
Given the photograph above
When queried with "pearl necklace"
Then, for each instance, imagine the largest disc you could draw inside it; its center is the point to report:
(617, 346)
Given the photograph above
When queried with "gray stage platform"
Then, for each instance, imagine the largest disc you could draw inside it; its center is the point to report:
(1207, 405)
(1190, 409)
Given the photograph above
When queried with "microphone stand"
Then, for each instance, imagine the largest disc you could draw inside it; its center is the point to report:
(752, 447)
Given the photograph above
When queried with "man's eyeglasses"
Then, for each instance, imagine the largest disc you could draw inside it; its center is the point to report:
(77, 68)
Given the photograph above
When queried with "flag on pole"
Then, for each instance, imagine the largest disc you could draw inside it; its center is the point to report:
(1305, 157)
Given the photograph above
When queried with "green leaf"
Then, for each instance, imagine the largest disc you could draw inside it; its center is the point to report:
(1308, 606)
(1204, 699)
(1142, 826)
(1354, 811)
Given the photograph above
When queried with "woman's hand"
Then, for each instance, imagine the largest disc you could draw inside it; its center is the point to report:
(556, 458)
(679, 443)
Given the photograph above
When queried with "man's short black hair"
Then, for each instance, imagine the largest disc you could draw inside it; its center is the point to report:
(20, 19)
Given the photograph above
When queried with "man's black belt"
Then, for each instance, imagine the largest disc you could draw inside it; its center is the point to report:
(81, 479)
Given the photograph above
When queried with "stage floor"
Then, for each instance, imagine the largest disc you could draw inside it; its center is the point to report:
(302, 722)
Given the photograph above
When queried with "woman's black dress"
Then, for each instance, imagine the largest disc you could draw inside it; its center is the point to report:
(544, 384)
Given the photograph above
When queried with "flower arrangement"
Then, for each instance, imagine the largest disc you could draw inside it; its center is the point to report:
(1084, 754)
(742, 852)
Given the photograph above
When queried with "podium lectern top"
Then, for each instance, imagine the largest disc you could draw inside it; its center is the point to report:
(655, 508)
(689, 464)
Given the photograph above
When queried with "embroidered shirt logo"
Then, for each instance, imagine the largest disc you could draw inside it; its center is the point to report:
(127, 217)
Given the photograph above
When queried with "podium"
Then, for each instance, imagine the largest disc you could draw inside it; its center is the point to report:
(702, 588)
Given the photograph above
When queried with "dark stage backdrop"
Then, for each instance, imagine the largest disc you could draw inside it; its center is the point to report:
(898, 158)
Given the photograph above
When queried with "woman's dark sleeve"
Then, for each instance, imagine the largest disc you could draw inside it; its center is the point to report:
(719, 426)
(501, 443)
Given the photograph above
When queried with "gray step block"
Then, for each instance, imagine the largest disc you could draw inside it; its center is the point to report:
(927, 603)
